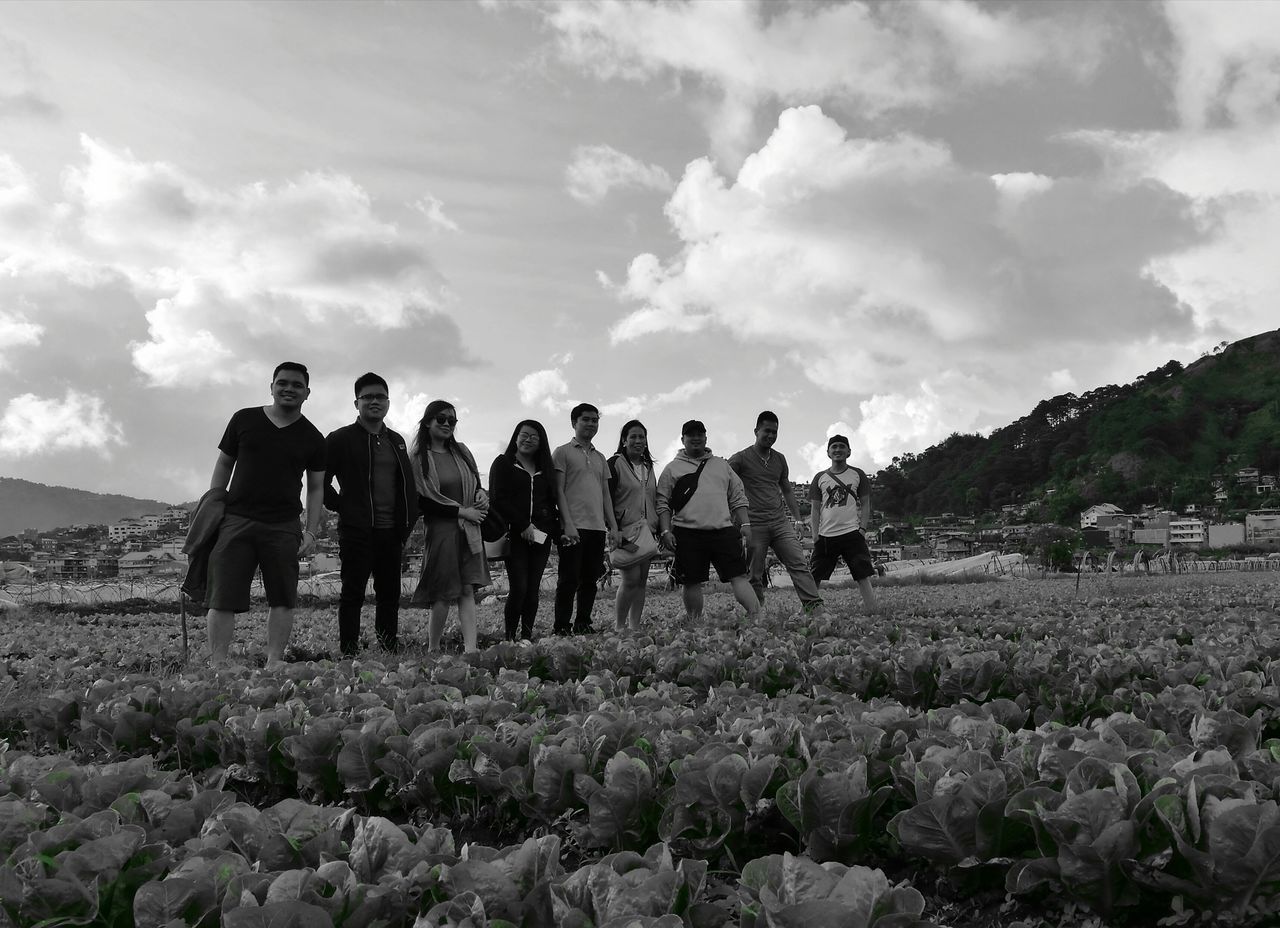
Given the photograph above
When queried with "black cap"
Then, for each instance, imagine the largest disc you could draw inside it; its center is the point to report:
(836, 438)
(693, 426)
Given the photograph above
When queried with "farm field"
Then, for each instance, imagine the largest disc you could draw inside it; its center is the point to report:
(1007, 753)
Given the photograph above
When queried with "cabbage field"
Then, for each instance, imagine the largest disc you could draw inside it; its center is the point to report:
(1020, 753)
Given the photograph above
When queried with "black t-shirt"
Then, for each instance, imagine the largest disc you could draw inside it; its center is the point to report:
(266, 485)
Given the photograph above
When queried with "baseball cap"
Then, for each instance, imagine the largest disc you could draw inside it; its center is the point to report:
(836, 438)
(693, 426)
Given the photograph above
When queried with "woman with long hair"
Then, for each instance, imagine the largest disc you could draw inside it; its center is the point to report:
(453, 506)
(633, 488)
(523, 490)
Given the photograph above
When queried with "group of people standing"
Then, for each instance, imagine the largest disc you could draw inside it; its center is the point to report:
(703, 510)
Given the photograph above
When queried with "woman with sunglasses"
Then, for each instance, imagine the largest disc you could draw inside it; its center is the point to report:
(453, 506)
(523, 489)
(633, 488)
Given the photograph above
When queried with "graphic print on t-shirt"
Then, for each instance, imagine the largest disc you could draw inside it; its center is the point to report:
(835, 496)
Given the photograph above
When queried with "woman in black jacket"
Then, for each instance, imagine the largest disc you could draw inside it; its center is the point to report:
(522, 488)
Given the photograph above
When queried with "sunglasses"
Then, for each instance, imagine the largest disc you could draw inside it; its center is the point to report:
(446, 420)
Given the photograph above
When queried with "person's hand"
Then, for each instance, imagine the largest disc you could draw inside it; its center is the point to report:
(527, 534)
(308, 544)
(745, 530)
(668, 540)
(615, 538)
(471, 514)
(570, 536)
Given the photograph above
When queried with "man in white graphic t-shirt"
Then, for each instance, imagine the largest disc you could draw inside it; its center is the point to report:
(841, 506)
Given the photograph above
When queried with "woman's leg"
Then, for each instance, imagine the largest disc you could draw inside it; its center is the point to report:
(538, 557)
(439, 613)
(629, 588)
(638, 598)
(518, 557)
(467, 618)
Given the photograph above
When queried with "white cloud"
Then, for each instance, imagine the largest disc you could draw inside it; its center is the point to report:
(545, 388)
(433, 209)
(633, 406)
(238, 277)
(32, 425)
(598, 169)
(879, 57)
(882, 268)
(16, 331)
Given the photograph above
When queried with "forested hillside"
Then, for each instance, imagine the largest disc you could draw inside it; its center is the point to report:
(1159, 439)
(24, 504)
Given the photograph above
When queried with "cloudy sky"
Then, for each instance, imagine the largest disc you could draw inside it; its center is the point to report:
(897, 220)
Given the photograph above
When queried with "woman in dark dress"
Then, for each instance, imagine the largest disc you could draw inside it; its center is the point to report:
(522, 489)
(453, 506)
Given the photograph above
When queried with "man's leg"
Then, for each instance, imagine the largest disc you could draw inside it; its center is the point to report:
(868, 595)
(786, 544)
(758, 557)
(387, 553)
(355, 550)
(693, 601)
(746, 596)
(279, 628)
(567, 579)
(222, 628)
(592, 554)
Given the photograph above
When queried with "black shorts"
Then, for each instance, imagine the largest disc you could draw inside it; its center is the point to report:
(700, 549)
(852, 546)
(242, 547)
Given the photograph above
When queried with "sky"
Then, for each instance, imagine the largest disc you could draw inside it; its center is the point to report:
(889, 220)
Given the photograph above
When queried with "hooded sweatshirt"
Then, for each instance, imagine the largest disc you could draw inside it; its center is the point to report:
(719, 494)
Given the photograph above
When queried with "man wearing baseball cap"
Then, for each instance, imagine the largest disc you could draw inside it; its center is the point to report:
(702, 514)
(841, 507)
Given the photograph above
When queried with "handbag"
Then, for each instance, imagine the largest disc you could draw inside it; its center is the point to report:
(494, 527)
(634, 550)
(686, 486)
(498, 550)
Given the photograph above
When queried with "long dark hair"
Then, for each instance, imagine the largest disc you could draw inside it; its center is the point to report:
(622, 440)
(422, 441)
(543, 456)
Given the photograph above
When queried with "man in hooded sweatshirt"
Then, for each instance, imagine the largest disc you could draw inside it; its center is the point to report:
(702, 515)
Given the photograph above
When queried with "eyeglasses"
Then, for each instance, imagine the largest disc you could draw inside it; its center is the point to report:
(446, 420)
(373, 397)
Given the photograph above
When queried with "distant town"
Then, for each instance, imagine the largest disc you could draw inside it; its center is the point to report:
(151, 545)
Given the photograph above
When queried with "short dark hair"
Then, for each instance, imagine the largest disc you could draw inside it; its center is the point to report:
(292, 366)
(365, 380)
(579, 410)
(766, 416)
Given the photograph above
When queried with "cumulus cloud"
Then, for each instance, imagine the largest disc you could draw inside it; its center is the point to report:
(16, 331)
(33, 425)
(879, 57)
(235, 277)
(21, 92)
(633, 406)
(546, 388)
(883, 268)
(598, 169)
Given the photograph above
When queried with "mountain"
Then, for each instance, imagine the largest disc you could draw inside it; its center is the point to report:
(1161, 439)
(24, 504)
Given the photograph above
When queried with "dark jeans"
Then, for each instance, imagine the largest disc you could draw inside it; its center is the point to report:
(581, 565)
(525, 565)
(366, 551)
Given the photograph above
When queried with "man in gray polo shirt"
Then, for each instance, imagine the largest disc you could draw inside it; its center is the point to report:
(586, 514)
(773, 508)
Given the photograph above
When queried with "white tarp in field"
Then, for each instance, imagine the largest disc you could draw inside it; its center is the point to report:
(1000, 565)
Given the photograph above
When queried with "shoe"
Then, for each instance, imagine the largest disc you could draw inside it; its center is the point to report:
(814, 610)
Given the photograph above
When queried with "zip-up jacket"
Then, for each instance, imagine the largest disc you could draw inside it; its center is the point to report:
(349, 459)
(522, 498)
(719, 495)
(202, 533)
(633, 500)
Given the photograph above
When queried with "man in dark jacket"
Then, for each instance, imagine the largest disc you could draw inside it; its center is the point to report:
(377, 507)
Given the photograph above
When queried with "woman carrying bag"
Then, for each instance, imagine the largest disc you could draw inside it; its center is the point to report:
(633, 488)
(523, 491)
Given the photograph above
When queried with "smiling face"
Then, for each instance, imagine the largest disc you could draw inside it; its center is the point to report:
(766, 435)
(289, 390)
(636, 442)
(441, 428)
(372, 404)
(838, 451)
(695, 443)
(527, 441)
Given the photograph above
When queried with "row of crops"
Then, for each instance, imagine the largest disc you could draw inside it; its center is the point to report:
(993, 751)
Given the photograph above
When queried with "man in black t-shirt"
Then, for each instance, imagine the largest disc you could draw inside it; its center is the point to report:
(261, 459)
(377, 506)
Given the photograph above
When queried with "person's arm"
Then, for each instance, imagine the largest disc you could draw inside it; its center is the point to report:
(606, 501)
(332, 496)
(568, 531)
(738, 506)
(222, 471)
(864, 521)
(788, 496)
(315, 508)
(815, 507)
(662, 506)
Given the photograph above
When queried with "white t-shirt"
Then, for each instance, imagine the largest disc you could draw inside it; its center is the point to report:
(838, 496)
